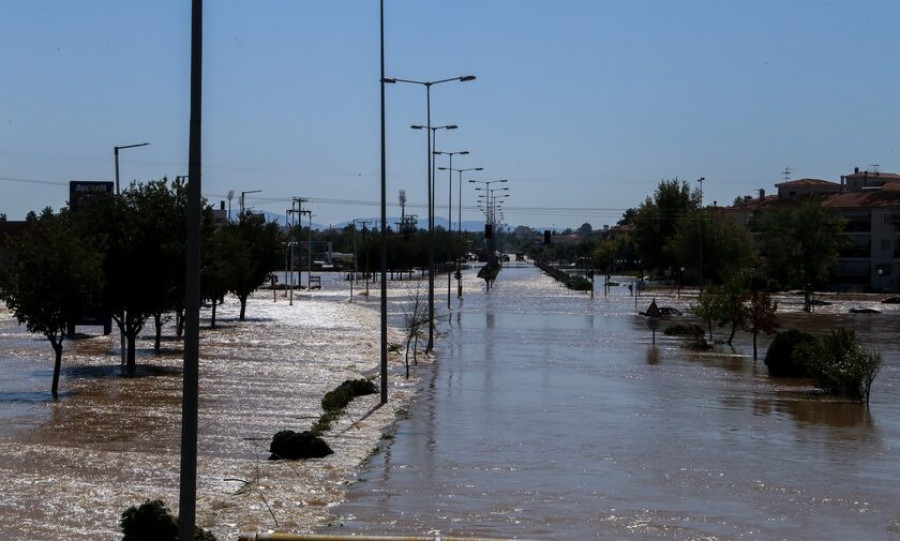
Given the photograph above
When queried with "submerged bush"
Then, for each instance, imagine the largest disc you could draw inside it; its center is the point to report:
(842, 366)
(152, 521)
(346, 392)
(786, 357)
(679, 329)
(291, 445)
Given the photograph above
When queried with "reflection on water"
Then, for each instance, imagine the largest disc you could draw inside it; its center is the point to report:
(551, 416)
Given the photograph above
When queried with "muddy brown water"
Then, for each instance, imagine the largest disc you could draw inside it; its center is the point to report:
(546, 416)
(549, 416)
(70, 468)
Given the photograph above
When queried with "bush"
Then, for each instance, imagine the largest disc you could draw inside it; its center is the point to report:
(152, 521)
(691, 331)
(786, 357)
(291, 445)
(346, 392)
(841, 365)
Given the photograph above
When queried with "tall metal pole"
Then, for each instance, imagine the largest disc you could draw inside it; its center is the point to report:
(384, 333)
(430, 345)
(187, 504)
(450, 217)
(702, 227)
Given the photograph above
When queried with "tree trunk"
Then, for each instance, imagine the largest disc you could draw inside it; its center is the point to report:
(132, 331)
(57, 365)
(179, 322)
(733, 331)
(243, 299)
(157, 323)
(755, 332)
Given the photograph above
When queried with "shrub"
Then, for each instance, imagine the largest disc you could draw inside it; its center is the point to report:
(841, 365)
(152, 521)
(786, 357)
(692, 330)
(291, 445)
(346, 392)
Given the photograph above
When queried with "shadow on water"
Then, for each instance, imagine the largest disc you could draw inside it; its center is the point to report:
(812, 409)
(114, 371)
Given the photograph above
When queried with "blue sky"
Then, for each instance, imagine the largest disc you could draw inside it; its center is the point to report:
(583, 105)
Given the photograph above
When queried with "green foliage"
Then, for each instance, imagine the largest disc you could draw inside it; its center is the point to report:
(842, 366)
(290, 445)
(760, 316)
(708, 307)
(728, 248)
(576, 282)
(340, 397)
(152, 521)
(51, 281)
(254, 249)
(655, 223)
(801, 244)
(692, 331)
(787, 356)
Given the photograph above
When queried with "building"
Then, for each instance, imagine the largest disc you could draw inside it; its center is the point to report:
(870, 202)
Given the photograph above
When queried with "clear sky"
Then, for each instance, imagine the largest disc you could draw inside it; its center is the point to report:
(583, 105)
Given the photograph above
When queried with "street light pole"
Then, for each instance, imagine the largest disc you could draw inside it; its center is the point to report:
(489, 212)
(241, 217)
(459, 288)
(116, 154)
(428, 85)
(702, 227)
(450, 206)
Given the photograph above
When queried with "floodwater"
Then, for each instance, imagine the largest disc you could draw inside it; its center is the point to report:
(548, 415)
(70, 468)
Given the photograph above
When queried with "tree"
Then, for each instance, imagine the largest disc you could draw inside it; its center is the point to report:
(801, 244)
(656, 219)
(161, 213)
(708, 307)
(132, 245)
(51, 281)
(727, 246)
(256, 252)
(415, 321)
(760, 316)
(731, 304)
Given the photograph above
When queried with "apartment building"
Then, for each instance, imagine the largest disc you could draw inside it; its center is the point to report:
(870, 202)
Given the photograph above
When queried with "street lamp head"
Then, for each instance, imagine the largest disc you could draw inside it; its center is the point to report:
(417, 127)
(701, 179)
(451, 126)
(478, 169)
(463, 152)
(389, 80)
(466, 78)
(441, 168)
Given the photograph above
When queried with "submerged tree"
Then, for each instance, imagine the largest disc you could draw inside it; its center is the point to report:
(760, 316)
(415, 321)
(51, 281)
(801, 244)
(255, 252)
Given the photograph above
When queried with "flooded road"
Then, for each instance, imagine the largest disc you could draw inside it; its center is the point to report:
(70, 468)
(549, 416)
